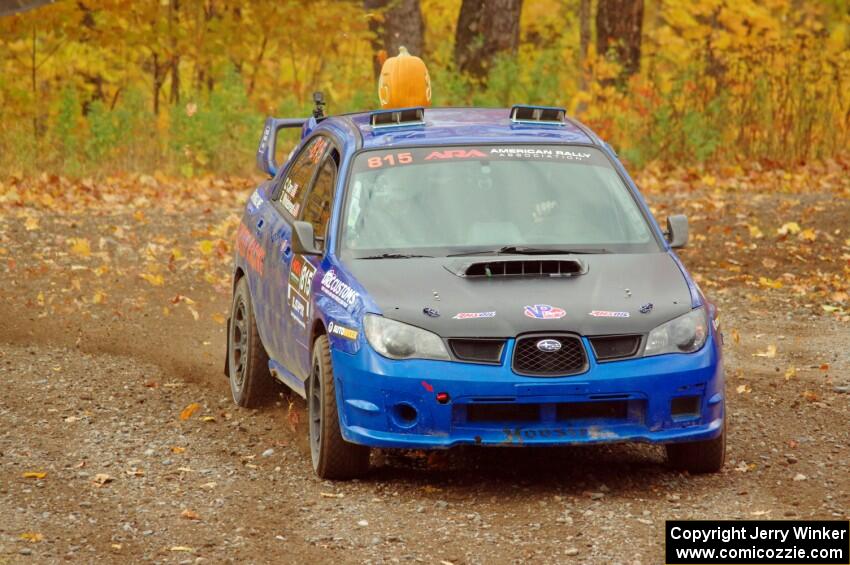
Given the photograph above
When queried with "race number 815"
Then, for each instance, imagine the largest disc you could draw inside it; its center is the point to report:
(390, 160)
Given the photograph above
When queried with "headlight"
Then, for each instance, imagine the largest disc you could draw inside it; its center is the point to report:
(681, 335)
(402, 341)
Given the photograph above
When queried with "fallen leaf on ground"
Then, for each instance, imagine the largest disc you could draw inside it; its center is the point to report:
(177, 449)
(769, 283)
(189, 410)
(790, 373)
(31, 223)
(155, 280)
(824, 367)
(744, 389)
(80, 246)
(770, 353)
(101, 479)
(331, 494)
(182, 548)
(34, 475)
(791, 227)
(190, 515)
(811, 396)
(808, 234)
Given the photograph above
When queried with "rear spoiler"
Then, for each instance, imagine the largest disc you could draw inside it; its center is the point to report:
(265, 152)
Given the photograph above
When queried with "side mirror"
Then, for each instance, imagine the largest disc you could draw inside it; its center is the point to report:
(677, 231)
(303, 240)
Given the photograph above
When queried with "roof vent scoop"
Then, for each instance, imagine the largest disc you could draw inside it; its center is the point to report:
(538, 115)
(519, 268)
(399, 117)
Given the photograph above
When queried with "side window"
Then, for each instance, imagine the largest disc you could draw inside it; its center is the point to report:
(317, 209)
(297, 179)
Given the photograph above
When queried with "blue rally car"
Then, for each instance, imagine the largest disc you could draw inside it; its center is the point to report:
(428, 278)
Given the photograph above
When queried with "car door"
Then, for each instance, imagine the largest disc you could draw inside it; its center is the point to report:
(284, 269)
(305, 269)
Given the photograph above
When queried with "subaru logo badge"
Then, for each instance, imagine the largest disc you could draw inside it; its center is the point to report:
(548, 345)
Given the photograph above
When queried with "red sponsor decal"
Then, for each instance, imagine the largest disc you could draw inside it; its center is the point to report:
(248, 247)
(427, 386)
(455, 154)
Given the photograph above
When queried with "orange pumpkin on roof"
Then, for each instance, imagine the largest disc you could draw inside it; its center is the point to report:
(404, 82)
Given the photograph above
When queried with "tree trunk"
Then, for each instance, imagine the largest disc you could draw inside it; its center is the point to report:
(485, 29)
(584, 39)
(398, 23)
(619, 24)
(173, 25)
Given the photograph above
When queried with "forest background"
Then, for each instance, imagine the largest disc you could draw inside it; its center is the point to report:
(91, 88)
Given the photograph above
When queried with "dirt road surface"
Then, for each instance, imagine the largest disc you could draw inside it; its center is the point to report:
(112, 323)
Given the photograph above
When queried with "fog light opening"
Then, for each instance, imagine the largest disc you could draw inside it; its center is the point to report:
(405, 414)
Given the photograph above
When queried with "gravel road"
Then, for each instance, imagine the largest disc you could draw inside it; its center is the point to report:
(97, 465)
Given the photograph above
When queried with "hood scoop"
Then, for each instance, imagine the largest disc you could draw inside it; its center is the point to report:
(517, 268)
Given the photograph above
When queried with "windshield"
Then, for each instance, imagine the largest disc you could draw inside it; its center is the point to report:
(476, 199)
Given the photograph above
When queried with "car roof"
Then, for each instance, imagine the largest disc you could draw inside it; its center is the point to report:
(444, 126)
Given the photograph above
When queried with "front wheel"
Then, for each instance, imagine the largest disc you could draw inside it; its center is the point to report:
(333, 457)
(697, 457)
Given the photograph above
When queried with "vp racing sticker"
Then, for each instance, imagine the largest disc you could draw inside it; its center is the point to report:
(339, 291)
(544, 312)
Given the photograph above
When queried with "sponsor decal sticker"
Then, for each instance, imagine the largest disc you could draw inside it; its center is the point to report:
(544, 312)
(250, 249)
(473, 315)
(432, 312)
(646, 308)
(455, 154)
(608, 314)
(256, 199)
(342, 331)
(338, 290)
(301, 274)
(540, 153)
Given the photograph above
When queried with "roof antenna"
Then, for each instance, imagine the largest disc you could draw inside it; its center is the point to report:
(319, 101)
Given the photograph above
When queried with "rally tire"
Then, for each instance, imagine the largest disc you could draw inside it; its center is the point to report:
(332, 456)
(251, 383)
(698, 457)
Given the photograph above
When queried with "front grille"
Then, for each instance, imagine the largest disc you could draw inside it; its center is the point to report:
(478, 350)
(570, 359)
(615, 346)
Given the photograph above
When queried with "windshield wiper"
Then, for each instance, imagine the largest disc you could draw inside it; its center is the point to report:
(521, 250)
(394, 256)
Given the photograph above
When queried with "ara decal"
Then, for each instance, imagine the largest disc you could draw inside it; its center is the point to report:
(473, 315)
(544, 312)
(432, 312)
(456, 154)
(646, 308)
(250, 249)
(342, 331)
(608, 314)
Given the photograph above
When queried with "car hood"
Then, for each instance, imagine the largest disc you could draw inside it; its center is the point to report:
(610, 293)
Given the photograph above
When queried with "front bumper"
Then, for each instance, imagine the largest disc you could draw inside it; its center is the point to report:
(662, 399)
